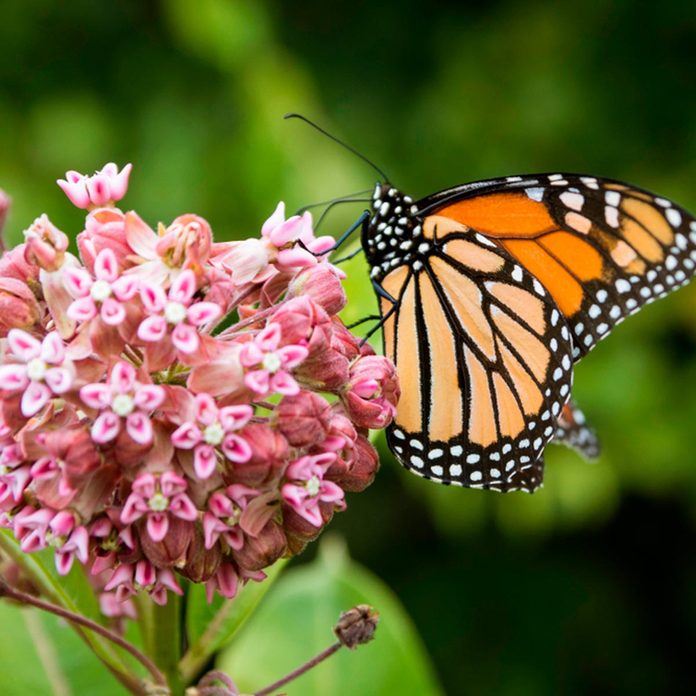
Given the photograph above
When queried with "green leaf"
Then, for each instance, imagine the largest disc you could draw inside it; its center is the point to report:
(211, 626)
(295, 623)
(72, 592)
(40, 654)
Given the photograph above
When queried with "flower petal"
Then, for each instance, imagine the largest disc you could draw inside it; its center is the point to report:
(236, 448)
(186, 436)
(13, 377)
(96, 395)
(23, 345)
(125, 287)
(106, 265)
(235, 417)
(77, 281)
(157, 525)
(184, 287)
(203, 313)
(82, 309)
(112, 312)
(106, 427)
(139, 427)
(153, 297)
(185, 338)
(122, 378)
(35, 397)
(59, 379)
(152, 329)
(182, 507)
(53, 349)
(148, 397)
(206, 409)
(204, 461)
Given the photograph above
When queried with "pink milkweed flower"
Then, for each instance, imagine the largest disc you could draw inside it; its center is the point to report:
(272, 362)
(306, 486)
(213, 430)
(57, 529)
(187, 242)
(175, 313)
(103, 295)
(226, 581)
(372, 393)
(41, 370)
(293, 240)
(15, 475)
(45, 244)
(123, 398)
(129, 578)
(157, 498)
(245, 261)
(103, 188)
(224, 514)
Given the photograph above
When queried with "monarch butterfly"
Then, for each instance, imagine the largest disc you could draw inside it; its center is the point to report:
(490, 291)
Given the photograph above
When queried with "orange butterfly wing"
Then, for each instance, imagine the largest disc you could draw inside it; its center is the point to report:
(484, 362)
(601, 248)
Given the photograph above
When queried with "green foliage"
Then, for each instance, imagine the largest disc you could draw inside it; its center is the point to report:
(294, 624)
(41, 654)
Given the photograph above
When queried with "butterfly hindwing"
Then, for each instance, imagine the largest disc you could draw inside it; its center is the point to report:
(574, 432)
(484, 362)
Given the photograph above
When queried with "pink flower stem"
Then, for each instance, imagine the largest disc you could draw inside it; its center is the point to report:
(7, 591)
(271, 688)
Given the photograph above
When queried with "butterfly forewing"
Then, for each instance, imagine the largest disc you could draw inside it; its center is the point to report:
(483, 357)
(601, 248)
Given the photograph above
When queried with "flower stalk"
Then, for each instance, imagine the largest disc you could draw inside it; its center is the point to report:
(23, 598)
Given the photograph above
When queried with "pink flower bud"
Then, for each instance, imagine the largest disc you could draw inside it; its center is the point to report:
(262, 550)
(357, 471)
(300, 319)
(269, 450)
(45, 244)
(373, 392)
(103, 188)
(18, 306)
(201, 563)
(321, 284)
(105, 228)
(299, 531)
(304, 418)
(14, 264)
(343, 341)
(172, 550)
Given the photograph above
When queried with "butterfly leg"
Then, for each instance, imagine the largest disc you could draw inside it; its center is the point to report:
(357, 224)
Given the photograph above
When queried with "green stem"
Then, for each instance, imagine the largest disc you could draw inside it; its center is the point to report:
(53, 591)
(165, 641)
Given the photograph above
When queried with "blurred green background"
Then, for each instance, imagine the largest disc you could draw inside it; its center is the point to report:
(588, 586)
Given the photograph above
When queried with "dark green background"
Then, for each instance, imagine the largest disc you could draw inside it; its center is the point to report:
(588, 586)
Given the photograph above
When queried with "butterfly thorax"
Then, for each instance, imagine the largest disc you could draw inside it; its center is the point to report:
(393, 235)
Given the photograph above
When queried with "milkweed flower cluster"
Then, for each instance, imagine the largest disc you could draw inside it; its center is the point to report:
(174, 407)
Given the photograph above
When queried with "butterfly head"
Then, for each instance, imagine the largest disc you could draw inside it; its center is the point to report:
(391, 235)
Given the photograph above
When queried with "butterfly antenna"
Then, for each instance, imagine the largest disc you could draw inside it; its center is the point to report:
(340, 142)
(348, 198)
